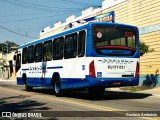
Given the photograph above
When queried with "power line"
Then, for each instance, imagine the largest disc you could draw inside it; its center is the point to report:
(20, 15)
(65, 11)
(21, 5)
(26, 6)
(25, 19)
(36, 17)
(79, 3)
(17, 33)
(37, 6)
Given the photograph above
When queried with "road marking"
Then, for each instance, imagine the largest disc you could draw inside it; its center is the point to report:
(99, 107)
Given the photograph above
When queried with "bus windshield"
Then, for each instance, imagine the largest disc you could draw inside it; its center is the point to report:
(114, 40)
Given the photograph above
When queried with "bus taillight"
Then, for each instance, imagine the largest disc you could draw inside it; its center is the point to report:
(137, 70)
(92, 69)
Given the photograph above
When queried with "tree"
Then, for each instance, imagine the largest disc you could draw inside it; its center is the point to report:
(144, 48)
(10, 43)
(6, 46)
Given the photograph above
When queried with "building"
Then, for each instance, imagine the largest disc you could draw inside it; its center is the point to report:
(7, 64)
(142, 13)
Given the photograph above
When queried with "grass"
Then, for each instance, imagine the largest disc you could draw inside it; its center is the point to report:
(134, 88)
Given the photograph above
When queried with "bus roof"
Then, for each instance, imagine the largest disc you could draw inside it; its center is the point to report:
(80, 27)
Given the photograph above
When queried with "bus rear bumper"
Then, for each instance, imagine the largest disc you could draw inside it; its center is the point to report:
(112, 82)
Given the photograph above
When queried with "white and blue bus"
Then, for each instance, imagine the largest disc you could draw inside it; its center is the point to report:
(93, 56)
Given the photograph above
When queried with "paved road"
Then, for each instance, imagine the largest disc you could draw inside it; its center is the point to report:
(14, 98)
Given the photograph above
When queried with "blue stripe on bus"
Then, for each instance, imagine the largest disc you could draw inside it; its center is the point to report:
(26, 69)
(56, 67)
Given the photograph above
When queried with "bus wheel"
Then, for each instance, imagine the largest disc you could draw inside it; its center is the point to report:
(27, 87)
(96, 91)
(57, 86)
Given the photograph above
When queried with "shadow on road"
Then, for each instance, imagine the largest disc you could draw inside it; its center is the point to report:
(20, 104)
(108, 95)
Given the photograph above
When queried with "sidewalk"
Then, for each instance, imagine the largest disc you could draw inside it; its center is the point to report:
(154, 91)
(5, 80)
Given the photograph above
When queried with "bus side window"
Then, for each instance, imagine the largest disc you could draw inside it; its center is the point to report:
(38, 52)
(47, 51)
(25, 55)
(70, 47)
(31, 54)
(58, 48)
(81, 43)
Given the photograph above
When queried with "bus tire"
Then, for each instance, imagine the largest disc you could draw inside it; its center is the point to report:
(96, 91)
(57, 86)
(27, 87)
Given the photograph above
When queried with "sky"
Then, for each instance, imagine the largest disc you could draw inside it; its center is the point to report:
(22, 20)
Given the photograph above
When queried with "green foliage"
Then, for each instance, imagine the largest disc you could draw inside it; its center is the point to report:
(130, 89)
(144, 49)
(7, 46)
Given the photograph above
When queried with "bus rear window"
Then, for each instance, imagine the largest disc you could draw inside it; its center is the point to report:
(114, 40)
